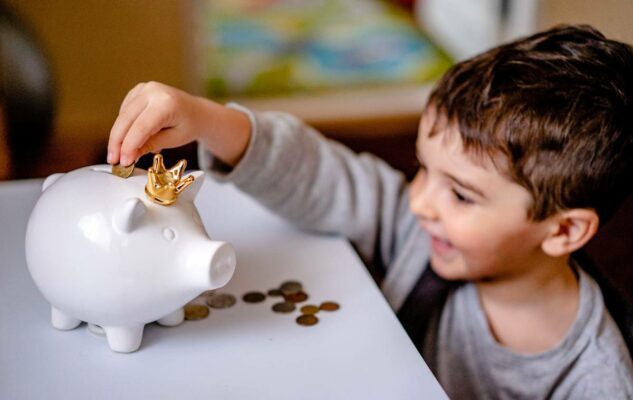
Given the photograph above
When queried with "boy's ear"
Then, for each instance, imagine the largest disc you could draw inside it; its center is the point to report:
(570, 230)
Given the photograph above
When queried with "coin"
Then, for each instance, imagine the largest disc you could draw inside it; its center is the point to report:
(290, 287)
(298, 297)
(309, 309)
(307, 320)
(284, 307)
(254, 297)
(329, 306)
(195, 311)
(121, 171)
(275, 293)
(221, 300)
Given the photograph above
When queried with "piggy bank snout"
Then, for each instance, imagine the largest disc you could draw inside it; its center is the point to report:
(214, 263)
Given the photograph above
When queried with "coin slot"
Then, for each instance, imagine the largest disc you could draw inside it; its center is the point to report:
(102, 168)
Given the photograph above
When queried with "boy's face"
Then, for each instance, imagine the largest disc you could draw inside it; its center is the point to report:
(477, 218)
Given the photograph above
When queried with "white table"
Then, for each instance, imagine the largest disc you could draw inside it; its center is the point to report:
(244, 352)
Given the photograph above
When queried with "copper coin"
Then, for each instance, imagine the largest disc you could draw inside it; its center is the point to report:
(254, 297)
(284, 307)
(275, 293)
(298, 297)
(290, 287)
(329, 306)
(309, 309)
(196, 311)
(221, 300)
(307, 320)
(121, 171)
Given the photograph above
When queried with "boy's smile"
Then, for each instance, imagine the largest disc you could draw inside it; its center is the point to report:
(477, 218)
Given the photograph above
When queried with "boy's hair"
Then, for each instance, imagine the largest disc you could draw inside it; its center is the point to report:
(558, 106)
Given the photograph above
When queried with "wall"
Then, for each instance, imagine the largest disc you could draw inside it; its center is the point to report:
(614, 18)
(99, 50)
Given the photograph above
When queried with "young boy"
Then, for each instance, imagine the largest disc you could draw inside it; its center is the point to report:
(523, 149)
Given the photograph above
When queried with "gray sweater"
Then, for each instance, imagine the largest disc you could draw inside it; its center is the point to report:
(322, 186)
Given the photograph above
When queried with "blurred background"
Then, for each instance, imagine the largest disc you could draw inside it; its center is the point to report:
(358, 70)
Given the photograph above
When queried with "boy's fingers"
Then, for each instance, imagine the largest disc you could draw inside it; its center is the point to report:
(131, 95)
(122, 126)
(151, 121)
(157, 142)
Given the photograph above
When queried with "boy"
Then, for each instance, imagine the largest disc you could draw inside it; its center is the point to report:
(523, 150)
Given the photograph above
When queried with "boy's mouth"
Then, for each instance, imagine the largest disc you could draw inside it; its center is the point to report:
(440, 246)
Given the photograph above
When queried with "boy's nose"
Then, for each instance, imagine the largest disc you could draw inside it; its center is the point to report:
(421, 199)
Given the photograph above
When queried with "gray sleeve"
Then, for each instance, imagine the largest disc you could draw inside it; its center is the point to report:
(319, 184)
(603, 382)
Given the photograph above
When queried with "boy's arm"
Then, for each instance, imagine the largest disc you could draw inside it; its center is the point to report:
(319, 184)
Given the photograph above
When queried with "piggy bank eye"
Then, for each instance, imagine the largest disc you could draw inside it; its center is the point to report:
(169, 234)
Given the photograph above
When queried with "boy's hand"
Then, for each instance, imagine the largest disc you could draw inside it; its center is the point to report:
(154, 116)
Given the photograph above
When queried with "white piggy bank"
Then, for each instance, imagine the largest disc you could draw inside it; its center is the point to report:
(102, 252)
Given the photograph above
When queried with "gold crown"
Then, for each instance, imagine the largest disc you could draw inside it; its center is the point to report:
(164, 185)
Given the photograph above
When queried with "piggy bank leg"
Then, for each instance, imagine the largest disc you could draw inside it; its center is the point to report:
(124, 339)
(63, 321)
(173, 319)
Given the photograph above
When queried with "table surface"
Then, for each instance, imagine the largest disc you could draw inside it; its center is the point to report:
(244, 352)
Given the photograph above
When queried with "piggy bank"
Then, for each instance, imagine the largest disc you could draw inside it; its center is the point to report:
(102, 251)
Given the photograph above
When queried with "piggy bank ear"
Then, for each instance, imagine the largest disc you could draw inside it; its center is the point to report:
(128, 215)
(50, 180)
(191, 192)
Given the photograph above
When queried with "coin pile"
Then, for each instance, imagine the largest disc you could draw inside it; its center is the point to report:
(292, 293)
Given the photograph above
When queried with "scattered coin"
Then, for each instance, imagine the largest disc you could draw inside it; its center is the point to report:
(309, 309)
(121, 171)
(298, 297)
(196, 311)
(275, 293)
(290, 287)
(307, 320)
(284, 307)
(221, 300)
(329, 306)
(254, 297)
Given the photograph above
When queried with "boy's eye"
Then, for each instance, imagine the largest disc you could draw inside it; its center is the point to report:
(461, 198)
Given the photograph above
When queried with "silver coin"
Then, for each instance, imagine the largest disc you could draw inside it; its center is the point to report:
(221, 300)
(290, 287)
(284, 307)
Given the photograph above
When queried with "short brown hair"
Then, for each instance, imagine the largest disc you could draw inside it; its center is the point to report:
(558, 106)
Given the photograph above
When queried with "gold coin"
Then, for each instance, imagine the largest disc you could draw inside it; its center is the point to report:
(329, 306)
(196, 311)
(309, 309)
(254, 297)
(307, 320)
(284, 307)
(290, 287)
(121, 171)
(275, 293)
(299, 297)
(221, 300)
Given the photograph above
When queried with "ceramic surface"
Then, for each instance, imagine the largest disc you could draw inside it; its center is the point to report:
(101, 252)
